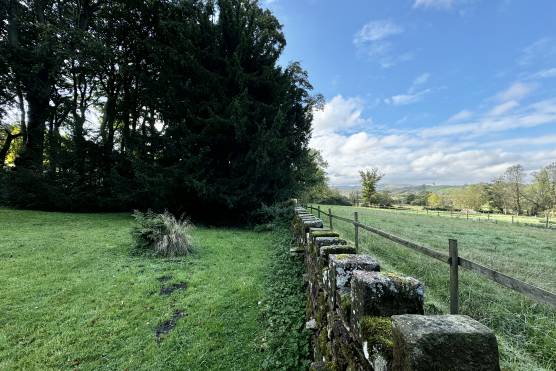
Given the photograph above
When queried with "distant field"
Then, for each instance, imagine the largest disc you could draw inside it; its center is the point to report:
(72, 297)
(526, 330)
(535, 221)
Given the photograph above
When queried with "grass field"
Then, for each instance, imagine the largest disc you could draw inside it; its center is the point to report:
(526, 330)
(525, 220)
(74, 297)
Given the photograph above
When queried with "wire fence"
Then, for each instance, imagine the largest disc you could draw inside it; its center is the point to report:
(543, 221)
(452, 259)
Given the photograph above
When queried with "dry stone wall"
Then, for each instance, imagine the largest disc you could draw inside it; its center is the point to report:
(363, 318)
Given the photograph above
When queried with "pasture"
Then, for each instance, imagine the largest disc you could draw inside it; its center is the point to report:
(539, 221)
(73, 297)
(525, 329)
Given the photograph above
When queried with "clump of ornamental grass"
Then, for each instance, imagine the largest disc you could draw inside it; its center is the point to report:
(161, 234)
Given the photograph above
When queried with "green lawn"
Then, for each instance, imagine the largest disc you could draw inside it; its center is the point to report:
(72, 296)
(526, 330)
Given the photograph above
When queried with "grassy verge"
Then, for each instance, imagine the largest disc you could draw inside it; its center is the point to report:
(285, 336)
(74, 297)
(525, 329)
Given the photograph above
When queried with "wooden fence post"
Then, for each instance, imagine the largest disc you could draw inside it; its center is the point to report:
(356, 238)
(547, 219)
(467, 213)
(512, 219)
(454, 279)
(330, 218)
(318, 211)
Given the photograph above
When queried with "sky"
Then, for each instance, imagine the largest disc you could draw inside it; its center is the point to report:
(428, 91)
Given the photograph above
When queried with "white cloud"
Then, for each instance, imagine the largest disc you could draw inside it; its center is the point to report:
(436, 4)
(404, 99)
(503, 108)
(376, 30)
(412, 95)
(516, 91)
(544, 74)
(541, 50)
(461, 115)
(440, 154)
(339, 114)
(421, 79)
(536, 114)
(372, 39)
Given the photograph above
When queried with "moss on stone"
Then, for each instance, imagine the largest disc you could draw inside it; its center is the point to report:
(377, 332)
(331, 366)
(324, 344)
(315, 234)
(321, 310)
(345, 306)
(343, 256)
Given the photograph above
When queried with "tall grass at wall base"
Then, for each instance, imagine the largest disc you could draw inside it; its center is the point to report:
(286, 341)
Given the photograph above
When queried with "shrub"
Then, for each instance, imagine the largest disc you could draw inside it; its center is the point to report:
(279, 213)
(161, 234)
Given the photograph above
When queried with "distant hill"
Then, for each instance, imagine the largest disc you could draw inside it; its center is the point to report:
(403, 189)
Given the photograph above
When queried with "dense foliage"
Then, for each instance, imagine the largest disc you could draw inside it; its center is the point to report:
(159, 103)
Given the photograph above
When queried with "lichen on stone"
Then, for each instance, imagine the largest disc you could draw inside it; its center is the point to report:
(343, 256)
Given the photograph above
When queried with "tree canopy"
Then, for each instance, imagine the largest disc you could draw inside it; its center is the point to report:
(151, 104)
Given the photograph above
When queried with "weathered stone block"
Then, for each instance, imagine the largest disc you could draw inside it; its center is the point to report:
(341, 268)
(326, 251)
(322, 233)
(451, 342)
(327, 241)
(312, 223)
(318, 229)
(382, 295)
(386, 294)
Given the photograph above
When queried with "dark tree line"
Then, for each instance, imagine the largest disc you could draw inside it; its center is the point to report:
(159, 103)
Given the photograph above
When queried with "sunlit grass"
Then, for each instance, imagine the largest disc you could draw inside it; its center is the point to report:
(74, 297)
(526, 330)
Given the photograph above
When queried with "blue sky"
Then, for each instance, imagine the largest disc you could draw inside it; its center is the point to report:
(429, 91)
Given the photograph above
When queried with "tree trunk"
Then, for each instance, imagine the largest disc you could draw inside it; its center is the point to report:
(32, 156)
(6, 146)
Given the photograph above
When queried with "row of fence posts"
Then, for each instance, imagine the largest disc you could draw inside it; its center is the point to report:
(453, 260)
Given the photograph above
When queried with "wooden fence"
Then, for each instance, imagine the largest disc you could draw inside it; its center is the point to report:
(452, 259)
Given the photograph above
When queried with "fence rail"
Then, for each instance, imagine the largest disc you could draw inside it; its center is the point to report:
(533, 292)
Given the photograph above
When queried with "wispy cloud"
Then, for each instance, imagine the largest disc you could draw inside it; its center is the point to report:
(544, 74)
(499, 119)
(435, 4)
(376, 30)
(413, 94)
(403, 99)
(503, 108)
(373, 39)
(516, 91)
(421, 79)
(461, 115)
(539, 51)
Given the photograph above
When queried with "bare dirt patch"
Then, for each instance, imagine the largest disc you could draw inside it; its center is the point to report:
(168, 289)
(165, 327)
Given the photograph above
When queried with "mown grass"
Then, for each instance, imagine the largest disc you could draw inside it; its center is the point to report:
(72, 296)
(526, 330)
